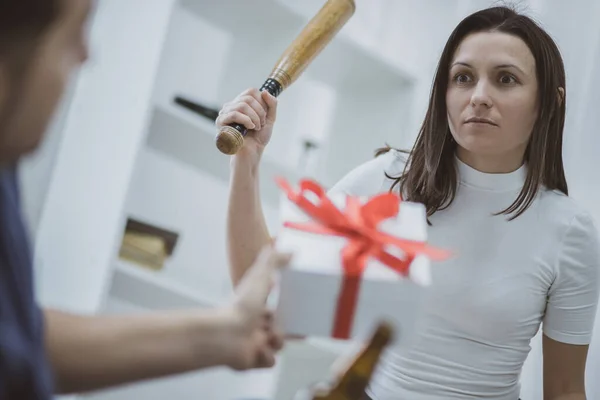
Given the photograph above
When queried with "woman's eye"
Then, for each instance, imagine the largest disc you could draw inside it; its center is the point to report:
(508, 79)
(462, 78)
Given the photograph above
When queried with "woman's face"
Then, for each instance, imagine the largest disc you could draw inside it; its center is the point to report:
(492, 100)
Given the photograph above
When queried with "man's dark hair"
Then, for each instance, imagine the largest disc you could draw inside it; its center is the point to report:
(22, 22)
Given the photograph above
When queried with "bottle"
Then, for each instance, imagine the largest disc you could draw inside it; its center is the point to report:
(203, 110)
(353, 383)
(306, 161)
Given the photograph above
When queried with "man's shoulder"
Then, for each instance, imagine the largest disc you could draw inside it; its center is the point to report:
(8, 181)
(374, 176)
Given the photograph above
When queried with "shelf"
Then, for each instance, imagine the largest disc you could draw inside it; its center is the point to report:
(202, 125)
(175, 196)
(190, 139)
(152, 290)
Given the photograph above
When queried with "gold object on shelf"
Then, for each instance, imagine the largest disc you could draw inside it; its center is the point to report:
(143, 249)
(146, 245)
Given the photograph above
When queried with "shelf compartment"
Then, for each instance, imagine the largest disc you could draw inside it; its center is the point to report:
(190, 139)
(152, 290)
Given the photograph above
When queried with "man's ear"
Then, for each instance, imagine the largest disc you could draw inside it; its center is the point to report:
(561, 96)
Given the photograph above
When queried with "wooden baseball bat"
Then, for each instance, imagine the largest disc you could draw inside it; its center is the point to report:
(308, 44)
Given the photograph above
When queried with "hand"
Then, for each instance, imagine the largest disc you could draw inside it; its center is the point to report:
(254, 339)
(255, 110)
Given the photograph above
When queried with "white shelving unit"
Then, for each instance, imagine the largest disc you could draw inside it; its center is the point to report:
(213, 51)
(352, 99)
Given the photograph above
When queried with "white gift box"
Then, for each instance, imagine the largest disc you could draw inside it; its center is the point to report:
(307, 299)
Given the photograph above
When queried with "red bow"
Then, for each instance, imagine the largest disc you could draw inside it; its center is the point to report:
(359, 224)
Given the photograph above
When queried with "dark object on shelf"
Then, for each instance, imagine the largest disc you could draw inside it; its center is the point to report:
(200, 109)
(309, 147)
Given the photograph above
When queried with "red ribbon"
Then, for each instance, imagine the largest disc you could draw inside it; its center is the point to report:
(358, 223)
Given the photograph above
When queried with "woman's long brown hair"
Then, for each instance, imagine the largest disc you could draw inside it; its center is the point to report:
(430, 176)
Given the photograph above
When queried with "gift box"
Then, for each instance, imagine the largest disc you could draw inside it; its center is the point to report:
(356, 261)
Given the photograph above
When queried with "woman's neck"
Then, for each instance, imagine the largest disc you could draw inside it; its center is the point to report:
(491, 164)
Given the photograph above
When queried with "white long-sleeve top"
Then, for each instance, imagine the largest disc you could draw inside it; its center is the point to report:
(488, 301)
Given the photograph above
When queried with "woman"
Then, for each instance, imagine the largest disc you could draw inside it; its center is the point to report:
(487, 165)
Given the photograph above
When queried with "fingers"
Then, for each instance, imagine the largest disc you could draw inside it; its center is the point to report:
(253, 98)
(257, 108)
(264, 342)
(256, 94)
(248, 109)
(276, 339)
(265, 359)
(235, 117)
(264, 353)
(275, 336)
(275, 342)
(271, 102)
(254, 289)
(268, 261)
(265, 356)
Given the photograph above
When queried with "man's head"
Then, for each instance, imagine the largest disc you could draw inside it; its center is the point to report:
(41, 43)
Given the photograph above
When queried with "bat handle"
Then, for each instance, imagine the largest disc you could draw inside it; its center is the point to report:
(230, 138)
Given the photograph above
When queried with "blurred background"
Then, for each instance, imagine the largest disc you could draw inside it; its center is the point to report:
(126, 199)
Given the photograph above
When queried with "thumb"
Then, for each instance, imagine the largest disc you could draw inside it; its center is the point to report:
(271, 106)
(258, 280)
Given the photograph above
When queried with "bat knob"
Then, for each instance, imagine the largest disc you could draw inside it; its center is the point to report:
(229, 140)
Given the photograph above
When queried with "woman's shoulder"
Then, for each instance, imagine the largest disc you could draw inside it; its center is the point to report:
(374, 176)
(568, 213)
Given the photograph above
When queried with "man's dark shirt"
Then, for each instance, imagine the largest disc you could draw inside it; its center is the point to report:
(24, 369)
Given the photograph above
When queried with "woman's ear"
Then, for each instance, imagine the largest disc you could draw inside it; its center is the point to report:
(561, 96)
